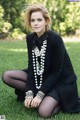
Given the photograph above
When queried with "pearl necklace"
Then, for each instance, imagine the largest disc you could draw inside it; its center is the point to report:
(39, 67)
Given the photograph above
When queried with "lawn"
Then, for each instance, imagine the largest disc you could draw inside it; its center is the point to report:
(13, 55)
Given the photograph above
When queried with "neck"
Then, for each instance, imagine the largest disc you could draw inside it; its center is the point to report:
(40, 33)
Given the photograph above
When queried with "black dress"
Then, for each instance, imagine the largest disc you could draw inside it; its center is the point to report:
(59, 79)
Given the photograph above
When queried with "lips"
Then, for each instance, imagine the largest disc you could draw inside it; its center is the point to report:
(36, 27)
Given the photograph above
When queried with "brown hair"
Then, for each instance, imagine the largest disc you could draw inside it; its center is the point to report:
(34, 8)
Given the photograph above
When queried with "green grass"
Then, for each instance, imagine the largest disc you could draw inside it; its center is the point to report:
(13, 55)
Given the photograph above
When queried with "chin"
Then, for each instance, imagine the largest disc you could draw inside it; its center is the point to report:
(37, 31)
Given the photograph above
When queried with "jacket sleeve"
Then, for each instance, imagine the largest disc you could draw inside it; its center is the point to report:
(30, 81)
(58, 52)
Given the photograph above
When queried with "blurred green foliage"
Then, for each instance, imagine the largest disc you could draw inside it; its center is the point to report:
(65, 16)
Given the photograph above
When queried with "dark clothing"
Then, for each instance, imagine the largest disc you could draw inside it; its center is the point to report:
(58, 71)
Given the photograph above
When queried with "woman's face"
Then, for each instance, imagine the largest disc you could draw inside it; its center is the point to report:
(38, 23)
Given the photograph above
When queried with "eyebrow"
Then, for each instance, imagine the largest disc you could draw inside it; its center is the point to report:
(37, 18)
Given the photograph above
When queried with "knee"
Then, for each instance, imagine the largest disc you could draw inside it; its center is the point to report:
(43, 112)
(5, 76)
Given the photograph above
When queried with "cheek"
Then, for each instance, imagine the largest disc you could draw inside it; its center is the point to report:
(32, 25)
(44, 25)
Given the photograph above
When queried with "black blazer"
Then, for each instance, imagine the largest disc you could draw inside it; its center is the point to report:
(58, 70)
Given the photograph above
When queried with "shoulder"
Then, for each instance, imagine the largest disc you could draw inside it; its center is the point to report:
(52, 33)
(29, 36)
(54, 37)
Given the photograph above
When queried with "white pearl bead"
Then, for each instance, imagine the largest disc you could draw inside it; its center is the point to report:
(39, 67)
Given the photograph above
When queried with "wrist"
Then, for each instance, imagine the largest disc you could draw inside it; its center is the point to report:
(29, 94)
(40, 95)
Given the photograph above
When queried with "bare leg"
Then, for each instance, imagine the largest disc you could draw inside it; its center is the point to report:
(49, 106)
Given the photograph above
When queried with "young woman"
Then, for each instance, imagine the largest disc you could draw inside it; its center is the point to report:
(49, 83)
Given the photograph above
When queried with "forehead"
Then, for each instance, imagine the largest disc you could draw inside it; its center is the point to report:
(37, 14)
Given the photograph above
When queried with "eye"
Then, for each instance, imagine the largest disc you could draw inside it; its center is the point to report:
(39, 19)
(32, 20)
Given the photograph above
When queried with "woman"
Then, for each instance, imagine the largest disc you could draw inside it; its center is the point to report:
(49, 83)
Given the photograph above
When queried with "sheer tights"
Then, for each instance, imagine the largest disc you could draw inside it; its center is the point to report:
(49, 106)
(17, 79)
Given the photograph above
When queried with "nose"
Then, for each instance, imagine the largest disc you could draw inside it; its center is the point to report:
(35, 23)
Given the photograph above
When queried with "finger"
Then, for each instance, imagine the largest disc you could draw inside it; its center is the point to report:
(27, 103)
(38, 104)
(34, 104)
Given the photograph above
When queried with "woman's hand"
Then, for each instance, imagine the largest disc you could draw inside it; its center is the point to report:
(27, 102)
(28, 98)
(33, 102)
(36, 102)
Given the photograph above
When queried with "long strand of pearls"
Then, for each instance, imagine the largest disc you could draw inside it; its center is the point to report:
(39, 67)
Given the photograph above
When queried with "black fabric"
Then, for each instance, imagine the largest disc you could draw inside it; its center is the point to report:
(69, 97)
(54, 94)
(58, 71)
(38, 41)
(20, 95)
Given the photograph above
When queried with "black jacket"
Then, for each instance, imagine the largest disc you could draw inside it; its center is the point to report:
(58, 70)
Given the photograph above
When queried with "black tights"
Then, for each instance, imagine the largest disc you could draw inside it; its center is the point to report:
(17, 79)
